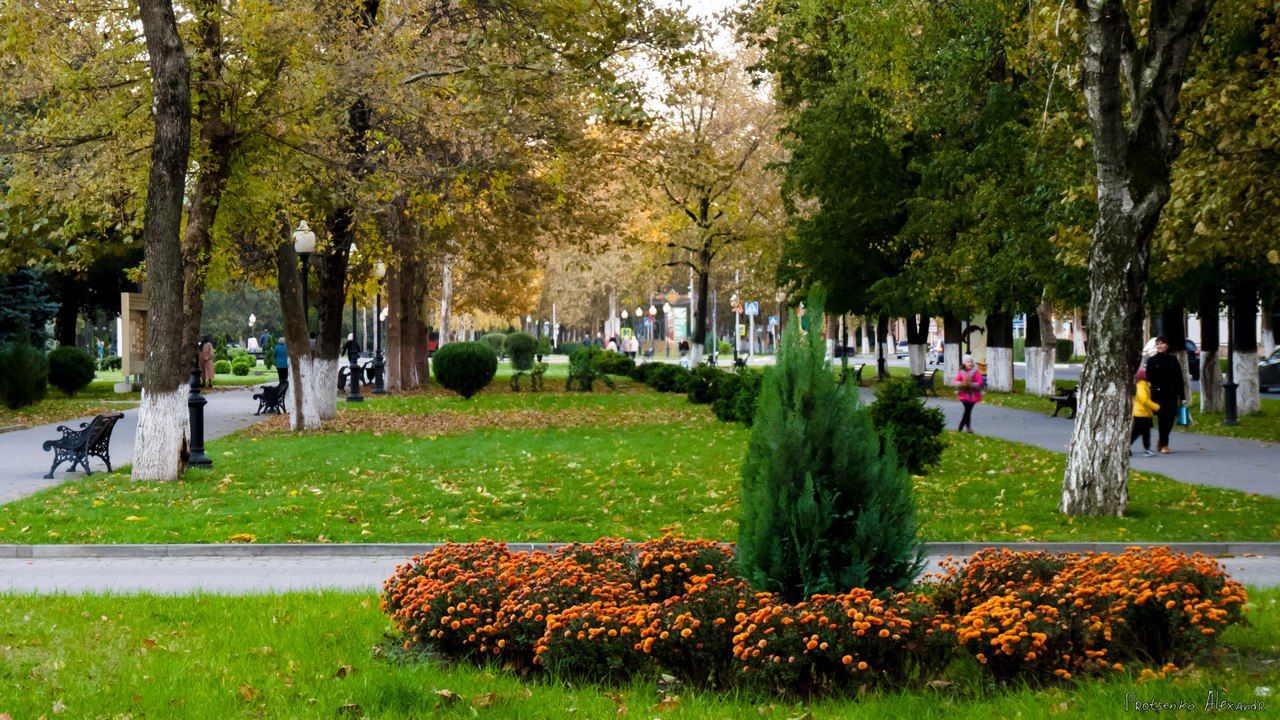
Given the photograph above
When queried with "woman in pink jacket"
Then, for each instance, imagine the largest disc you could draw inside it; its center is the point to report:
(969, 391)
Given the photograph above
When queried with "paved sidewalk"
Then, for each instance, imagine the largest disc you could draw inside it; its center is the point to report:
(1249, 465)
(250, 575)
(25, 462)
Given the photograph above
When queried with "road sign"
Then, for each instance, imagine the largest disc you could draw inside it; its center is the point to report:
(752, 309)
(773, 320)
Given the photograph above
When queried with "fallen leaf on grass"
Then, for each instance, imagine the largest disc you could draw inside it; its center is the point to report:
(485, 700)
(447, 696)
(242, 538)
(351, 709)
(248, 693)
(344, 671)
(670, 702)
(58, 707)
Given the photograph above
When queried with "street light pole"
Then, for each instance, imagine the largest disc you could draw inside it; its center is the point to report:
(304, 243)
(379, 366)
(1229, 387)
(353, 355)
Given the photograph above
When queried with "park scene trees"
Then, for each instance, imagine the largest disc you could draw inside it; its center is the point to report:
(644, 330)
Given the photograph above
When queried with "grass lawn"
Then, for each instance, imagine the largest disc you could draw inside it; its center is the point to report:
(322, 656)
(98, 397)
(566, 467)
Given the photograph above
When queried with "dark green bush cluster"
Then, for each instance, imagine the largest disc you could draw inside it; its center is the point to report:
(24, 374)
(240, 364)
(739, 392)
(70, 369)
(521, 348)
(916, 429)
(569, 348)
(584, 369)
(465, 367)
(614, 363)
(497, 342)
(110, 362)
(544, 345)
(704, 384)
(663, 377)
(221, 367)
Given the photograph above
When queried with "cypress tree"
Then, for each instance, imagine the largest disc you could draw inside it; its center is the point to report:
(824, 510)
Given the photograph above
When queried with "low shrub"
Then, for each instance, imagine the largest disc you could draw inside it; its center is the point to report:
(739, 391)
(569, 348)
(666, 565)
(640, 373)
(71, 369)
(691, 635)
(110, 362)
(240, 369)
(596, 642)
(544, 346)
(237, 352)
(704, 385)
(221, 367)
(24, 375)
(916, 429)
(614, 363)
(584, 369)
(1062, 350)
(497, 342)
(465, 367)
(665, 377)
(521, 347)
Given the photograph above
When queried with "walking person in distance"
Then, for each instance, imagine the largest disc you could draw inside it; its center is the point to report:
(1165, 375)
(968, 391)
(1143, 408)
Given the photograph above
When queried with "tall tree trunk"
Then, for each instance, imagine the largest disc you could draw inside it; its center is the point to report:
(1000, 351)
(1133, 154)
(395, 337)
(882, 331)
(1079, 335)
(918, 343)
(1267, 323)
(1210, 340)
(161, 449)
(332, 277)
(951, 338)
(213, 152)
(304, 414)
(1173, 328)
(1245, 355)
(1041, 351)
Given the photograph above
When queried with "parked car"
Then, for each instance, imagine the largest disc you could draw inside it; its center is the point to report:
(1193, 356)
(901, 352)
(1269, 371)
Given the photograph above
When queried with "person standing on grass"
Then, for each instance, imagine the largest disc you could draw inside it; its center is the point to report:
(969, 391)
(1143, 407)
(282, 360)
(1165, 375)
(206, 361)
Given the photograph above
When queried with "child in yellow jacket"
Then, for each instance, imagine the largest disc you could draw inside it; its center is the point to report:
(1143, 409)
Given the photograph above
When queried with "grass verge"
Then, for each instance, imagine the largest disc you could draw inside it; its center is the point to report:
(324, 656)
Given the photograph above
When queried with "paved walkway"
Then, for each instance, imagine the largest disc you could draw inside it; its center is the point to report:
(248, 575)
(25, 462)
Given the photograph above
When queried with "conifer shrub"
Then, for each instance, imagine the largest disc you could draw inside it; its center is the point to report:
(24, 375)
(521, 347)
(569, 348)
(71, 369)
(705, 384)
(544, 346)
(824, 510)
(641, 372)
(465, 367)
(497, 342)
(584, 369)
(241, 364)
(221, 367)
(614, 363)
(668, 378)
(899, 412)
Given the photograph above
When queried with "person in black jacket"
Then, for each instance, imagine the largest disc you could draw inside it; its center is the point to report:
(1165, 375)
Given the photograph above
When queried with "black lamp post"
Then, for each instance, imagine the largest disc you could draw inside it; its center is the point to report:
(353, 354)
(379, 366)
(195, 413)
(304, 243)
(1229, 387)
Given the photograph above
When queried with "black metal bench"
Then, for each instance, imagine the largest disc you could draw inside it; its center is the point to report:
(845, 374)
(271, 399)
(1064, 400)
(93, 438)
(740, 361)
(925, 381)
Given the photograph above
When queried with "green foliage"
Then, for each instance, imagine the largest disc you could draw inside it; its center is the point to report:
(24, 375)
(110, 362)
(71, 369)
(704, 384)
(823, 509)
(614, 363)
(221, 367)
(544, 346)
(724, 348)
(496, 342)
(521, 347)
(240, 369)
(569, 348)
(584, 369)
(904, 421)
(739, 393)
(237, 352)
(1062, 350)
(665, 377)
(465, 367)
(25, 306)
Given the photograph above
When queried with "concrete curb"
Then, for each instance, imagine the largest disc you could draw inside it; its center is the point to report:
(408, 550)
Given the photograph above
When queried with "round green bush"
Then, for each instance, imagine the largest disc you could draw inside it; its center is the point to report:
(614, 363)
(237, 352)
(465, 367)
(521, 348)
(221, 367)
(24, 375)
(240, 369)
(110, 362)
(496, 342)
(70, 369)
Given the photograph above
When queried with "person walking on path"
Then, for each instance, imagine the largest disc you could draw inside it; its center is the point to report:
(1143, 408)
(968, 391)
(282, 360)
(206, 361)
(1165, 375)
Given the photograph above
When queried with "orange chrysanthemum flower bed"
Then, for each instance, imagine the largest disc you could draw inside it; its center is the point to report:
(607, 610)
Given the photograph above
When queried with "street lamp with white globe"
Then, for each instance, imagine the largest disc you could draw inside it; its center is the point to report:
(304, 243)
(379, 365)
(666, 327)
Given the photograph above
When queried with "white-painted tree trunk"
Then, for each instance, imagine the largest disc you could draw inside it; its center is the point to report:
(160, 447)
(1210, 382)
(305, 414)
(1000, 369)
(1077, 334)
(918, 358)
(695, 354)
(1248, 399)
(325, 387)
(1040, 371)
(1266, 324)
(866, 335)
(950, 362)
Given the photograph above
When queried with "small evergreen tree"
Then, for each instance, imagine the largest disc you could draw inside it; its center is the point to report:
(824, 510)
(917, 429)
